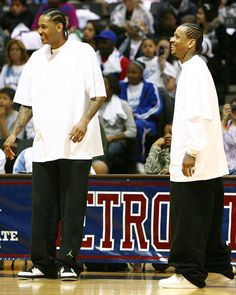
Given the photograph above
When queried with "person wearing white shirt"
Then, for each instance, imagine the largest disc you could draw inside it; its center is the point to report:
(198, 162)
(63, 88)
(2, 162)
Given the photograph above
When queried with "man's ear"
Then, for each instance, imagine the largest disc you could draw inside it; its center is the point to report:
(59, 27)
(192, 43)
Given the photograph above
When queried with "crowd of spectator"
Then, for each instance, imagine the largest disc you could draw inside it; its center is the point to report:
(131, 39)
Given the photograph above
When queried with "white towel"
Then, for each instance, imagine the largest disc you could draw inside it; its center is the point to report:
(112, 110)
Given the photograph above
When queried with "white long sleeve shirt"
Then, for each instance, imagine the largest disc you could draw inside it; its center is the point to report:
(196, 124)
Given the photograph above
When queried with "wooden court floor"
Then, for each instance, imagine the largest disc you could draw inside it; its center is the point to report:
(102, 283)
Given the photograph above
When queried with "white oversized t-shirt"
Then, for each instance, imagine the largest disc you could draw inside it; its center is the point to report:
(59, 87)
(196, 124)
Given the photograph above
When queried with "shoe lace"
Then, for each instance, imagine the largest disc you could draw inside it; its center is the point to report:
(66, 269)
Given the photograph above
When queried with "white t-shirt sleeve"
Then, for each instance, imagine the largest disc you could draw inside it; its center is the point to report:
(23, 91)
(94, 83)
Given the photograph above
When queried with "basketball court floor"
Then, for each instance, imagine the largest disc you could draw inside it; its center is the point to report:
(101, 283)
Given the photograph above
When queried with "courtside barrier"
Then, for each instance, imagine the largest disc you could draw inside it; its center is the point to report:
(127, 218)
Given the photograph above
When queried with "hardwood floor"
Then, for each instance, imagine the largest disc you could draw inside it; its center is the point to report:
(101, 283)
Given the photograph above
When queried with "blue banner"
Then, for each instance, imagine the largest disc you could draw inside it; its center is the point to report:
(127, 218)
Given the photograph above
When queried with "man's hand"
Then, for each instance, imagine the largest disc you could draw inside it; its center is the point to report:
(188, 165)
(7, 146)
(77, 133)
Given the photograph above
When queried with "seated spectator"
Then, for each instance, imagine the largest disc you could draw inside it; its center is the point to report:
(146, 103)
(23, 163)
(158, 160)
(180, 8)
(100, 163)
(17, 57)
(229, 134)
(215, 31)
(118, 122)
(18, 13)
(130, 47)
(7, 113)
(67, 8)
(2, 162)
(110, 59)
(167, 24)
(157, 69)
(92, 29)
(131, 10)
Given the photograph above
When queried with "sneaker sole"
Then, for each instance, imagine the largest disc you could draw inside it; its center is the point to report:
(31, 278)
(69, 279)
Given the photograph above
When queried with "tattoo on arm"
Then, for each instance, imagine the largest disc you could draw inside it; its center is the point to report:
(94, 105)
(23, 117)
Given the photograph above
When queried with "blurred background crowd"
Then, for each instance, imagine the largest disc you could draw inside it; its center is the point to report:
(132, 42)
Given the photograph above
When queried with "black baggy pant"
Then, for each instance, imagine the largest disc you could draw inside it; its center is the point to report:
(196, 212)
(59, 194)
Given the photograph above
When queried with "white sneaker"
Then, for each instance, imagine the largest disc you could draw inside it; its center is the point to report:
(234, 270)
(31, 273)
(68, 274)
(177, 281)
(217, 279)
(140, 168)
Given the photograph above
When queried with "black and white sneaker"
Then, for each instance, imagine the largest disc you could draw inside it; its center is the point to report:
(68, 274)
(35, 273)
(31, 273)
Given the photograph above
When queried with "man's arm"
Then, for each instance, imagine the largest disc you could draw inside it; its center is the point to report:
(23, 117)
(78, 131)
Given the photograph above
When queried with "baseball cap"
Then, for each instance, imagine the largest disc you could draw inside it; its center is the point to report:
(107, 34)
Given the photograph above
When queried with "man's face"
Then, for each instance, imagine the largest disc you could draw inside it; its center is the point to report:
(180, 43)
(48, 30)
(105, 47)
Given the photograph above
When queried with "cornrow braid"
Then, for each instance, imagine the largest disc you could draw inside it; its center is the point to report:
(194, 31)
(57, 17)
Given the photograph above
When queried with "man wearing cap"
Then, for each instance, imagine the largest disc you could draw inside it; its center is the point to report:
(110, 59)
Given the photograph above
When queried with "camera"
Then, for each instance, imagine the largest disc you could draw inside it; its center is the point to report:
(136, 27)
(161, 50)
(233, 107)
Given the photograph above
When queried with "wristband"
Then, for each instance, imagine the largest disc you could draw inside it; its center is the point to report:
(192, 155)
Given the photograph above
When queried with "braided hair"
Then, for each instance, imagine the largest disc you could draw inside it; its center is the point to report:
(194, 31)
(57, 17)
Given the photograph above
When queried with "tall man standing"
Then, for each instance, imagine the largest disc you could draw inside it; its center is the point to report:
(198, 162)
(62, 87)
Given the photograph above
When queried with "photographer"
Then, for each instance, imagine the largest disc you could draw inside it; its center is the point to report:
(229, 134)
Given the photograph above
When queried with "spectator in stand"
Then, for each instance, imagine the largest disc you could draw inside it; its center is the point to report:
(179, 8)
(158, 160)
(24, 163)
(157, 69)
(118, 122)
(146, 103)
(7, 113)
(19, 13)
(229, 134)
(17, 56)
(92, 29)
(2, 162)
(131, 11)
(167, 24)
(131, 45)
(110, 59)
(67, 8)
(215, 31)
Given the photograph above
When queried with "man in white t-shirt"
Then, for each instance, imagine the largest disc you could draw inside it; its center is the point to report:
(62, 87)
(198, 162)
